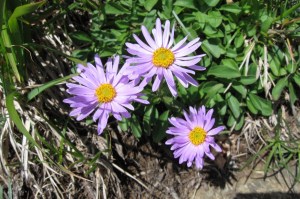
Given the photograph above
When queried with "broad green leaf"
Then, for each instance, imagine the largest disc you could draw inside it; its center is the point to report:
(147, 119)
(206, 86)
(263, 105)
(47, 85)
(233, 8)
(296, 78)
(231, 120)
(266, 24)
(293, 96)
(229, 62)
(123, 124)
(214, 18)
(231, 53)
(240, 123)
(149, 4)
(291, 67)
(224, 71)
(212, 32)
(234, 106)
(247, 80)
(149, 19)
(214, 47)
(201, 18)
(280, 85)
(167, 7)
(186, 4)
(211, 3)
(14, 116)
(213, 91)
(240, 88)
(239, 40)
(161, 127)
(250, 30)
(251, 106)
(274, 64)
(115, 9)
(135, 126)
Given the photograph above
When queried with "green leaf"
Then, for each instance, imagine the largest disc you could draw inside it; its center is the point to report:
(14, 116)
(239, 40)
(214, 47)
(296, 78)
(47, 85)
(233, 8)
(123, 124)
(81, 36)
(186, 4)
(280, 85)
(266, 24)
(274, 61)
(231, 120)
(161, 127)
(147, 119)
(2, 13)
(10, 53)
(261, 104)
(287, 12)
(201, 18)
(211, 3)
(212, 89)
(224, 71)
(214, 18)
(240, 123)
(251, 107)
(167, 7)
(293, 96)
(135, 126)
(240, 88)
(269, 158)
(20, 11)
(149, 4)
(247, 80)
(234, 106)
(115, 9)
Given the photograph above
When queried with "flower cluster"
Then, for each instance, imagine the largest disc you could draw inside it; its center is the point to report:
(104, 90)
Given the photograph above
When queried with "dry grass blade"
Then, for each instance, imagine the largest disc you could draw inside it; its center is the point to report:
(131, 176)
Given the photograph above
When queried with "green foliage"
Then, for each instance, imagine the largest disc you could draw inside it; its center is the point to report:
(279, 151)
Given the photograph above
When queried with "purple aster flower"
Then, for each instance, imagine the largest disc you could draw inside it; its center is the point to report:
(193, 136)
(163, 59)
(103, 91)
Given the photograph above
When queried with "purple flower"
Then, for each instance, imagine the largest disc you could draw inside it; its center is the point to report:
(162, 58)
(193, 136)
(105, 92)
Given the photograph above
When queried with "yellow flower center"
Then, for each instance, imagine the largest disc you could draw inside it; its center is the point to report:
(197, 136)
(105, 93)
(163, 57)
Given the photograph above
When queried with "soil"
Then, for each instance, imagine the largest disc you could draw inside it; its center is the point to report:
(165, 178)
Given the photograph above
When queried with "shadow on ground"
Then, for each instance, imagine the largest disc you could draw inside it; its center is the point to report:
(272, 195)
